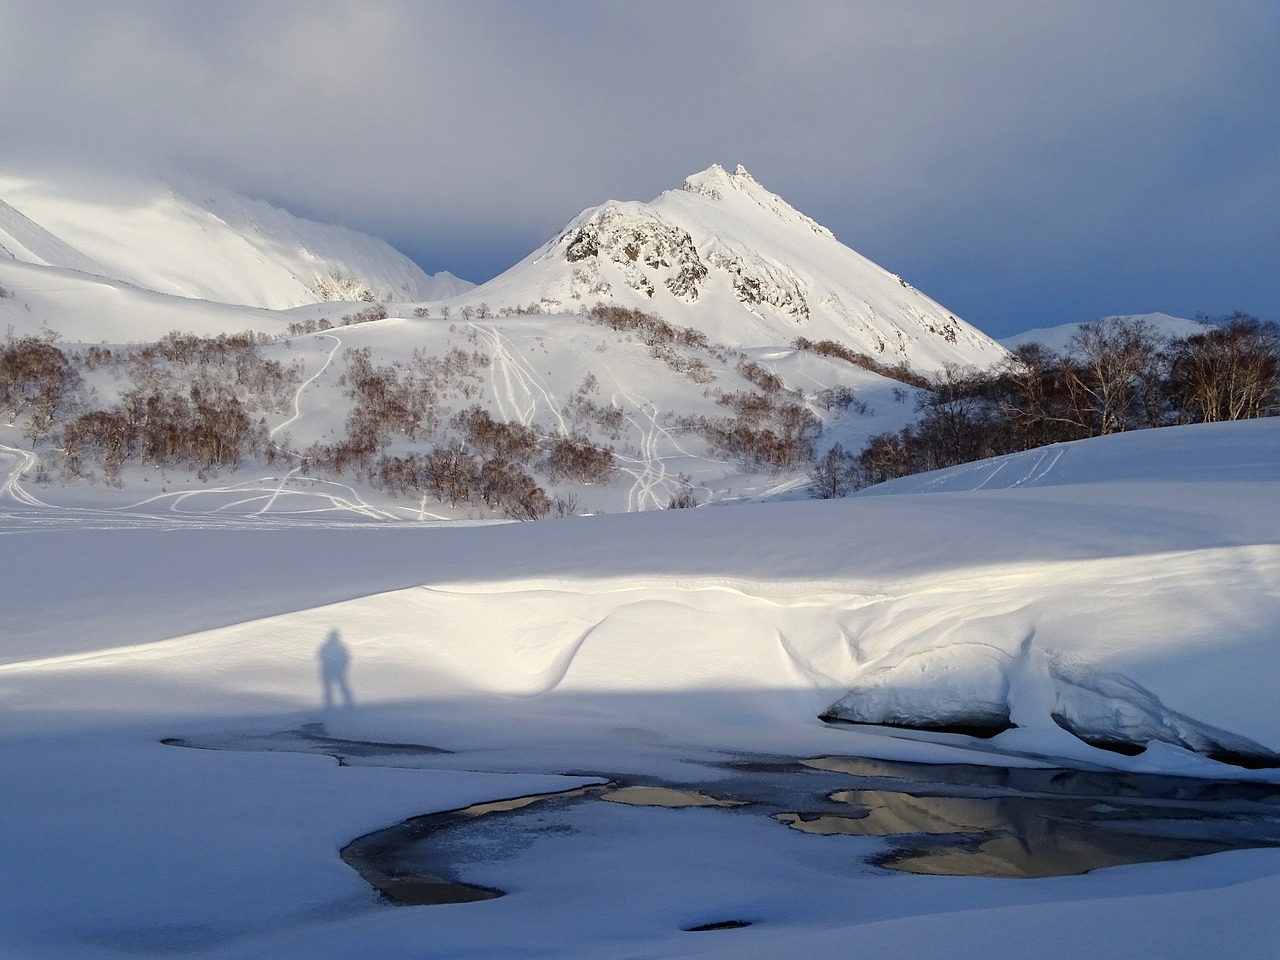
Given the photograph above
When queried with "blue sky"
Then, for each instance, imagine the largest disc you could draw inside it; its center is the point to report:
(1025, 164)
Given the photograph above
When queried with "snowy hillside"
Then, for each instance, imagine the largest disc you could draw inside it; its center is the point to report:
(694, 420)
(1057, 338)
(724, 255)
(1115, 599)
(199, 241)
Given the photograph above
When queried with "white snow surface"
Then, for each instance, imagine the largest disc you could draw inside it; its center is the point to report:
(1059, 337)
(200, 241)
(724, 255)
(1105, 576)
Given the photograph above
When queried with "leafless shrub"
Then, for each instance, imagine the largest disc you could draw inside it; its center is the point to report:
(501, 484)
(575, 457)
(763, 434)
(102, 435)
(35, 376)
(565, 506)
(451, 473)
(367, 315)
(582, 410)
(684, 497)
(495, 438)
(831, 348)
(763, 379)
(834, 475)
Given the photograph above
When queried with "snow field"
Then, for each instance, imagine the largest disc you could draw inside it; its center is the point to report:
(649, 645)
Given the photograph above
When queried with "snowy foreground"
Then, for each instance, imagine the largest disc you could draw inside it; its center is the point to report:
(1130, 584)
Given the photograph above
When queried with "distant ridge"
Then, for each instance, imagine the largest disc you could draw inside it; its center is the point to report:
(200, 241)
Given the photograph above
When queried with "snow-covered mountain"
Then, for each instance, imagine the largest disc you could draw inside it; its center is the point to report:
(739, 263)
(1057, 338)
(200, 241)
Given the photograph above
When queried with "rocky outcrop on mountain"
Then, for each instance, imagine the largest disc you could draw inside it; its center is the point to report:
(724, 255)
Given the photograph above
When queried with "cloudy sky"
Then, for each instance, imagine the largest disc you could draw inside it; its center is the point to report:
(1024, 163)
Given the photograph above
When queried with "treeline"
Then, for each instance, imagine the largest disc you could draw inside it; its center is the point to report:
(666, 341)
(1115, 375)
(185, 400)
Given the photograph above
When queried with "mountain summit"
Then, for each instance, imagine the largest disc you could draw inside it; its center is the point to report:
(725, 255)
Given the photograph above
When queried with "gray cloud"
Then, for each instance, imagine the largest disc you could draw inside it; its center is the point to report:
(1023, 163)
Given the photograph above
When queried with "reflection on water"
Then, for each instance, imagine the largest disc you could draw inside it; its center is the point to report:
(393, 863)
(666, 797)
(1009, 836)
(950, 819)
(940, 819)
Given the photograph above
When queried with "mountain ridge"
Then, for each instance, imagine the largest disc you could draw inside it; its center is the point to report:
(725, 255)
(201, 241)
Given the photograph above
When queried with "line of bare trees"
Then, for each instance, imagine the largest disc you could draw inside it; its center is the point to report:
(1116, 374)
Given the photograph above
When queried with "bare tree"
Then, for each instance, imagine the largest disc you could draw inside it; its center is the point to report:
(1229, 372)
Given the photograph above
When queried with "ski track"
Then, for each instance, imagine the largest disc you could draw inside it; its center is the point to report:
(297, 396)
(519, 375)
(13, 482)
(653, 471)
(1042, 469)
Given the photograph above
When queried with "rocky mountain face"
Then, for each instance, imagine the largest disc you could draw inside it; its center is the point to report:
(728, 257)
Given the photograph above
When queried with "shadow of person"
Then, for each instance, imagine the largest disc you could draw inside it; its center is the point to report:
(335, 660)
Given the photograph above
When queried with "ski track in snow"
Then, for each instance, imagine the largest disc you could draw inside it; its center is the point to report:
(522, 383)
(297, 396)
(1042, 464)
(342, 498)
(653, 471)
(13, 482)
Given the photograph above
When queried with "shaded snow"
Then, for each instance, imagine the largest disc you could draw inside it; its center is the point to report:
(1137, 573)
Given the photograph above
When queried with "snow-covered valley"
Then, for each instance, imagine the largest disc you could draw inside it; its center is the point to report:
(652, 646)
(215, 679)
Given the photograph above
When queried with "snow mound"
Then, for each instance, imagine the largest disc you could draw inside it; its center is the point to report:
(1242, 450)
(970, 688)
(1111, 711)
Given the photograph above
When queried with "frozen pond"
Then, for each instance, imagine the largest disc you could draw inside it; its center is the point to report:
(954, 820)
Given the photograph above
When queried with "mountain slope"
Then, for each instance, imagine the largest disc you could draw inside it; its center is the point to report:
(728, 257)
(1057, 338)
(200, 241)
